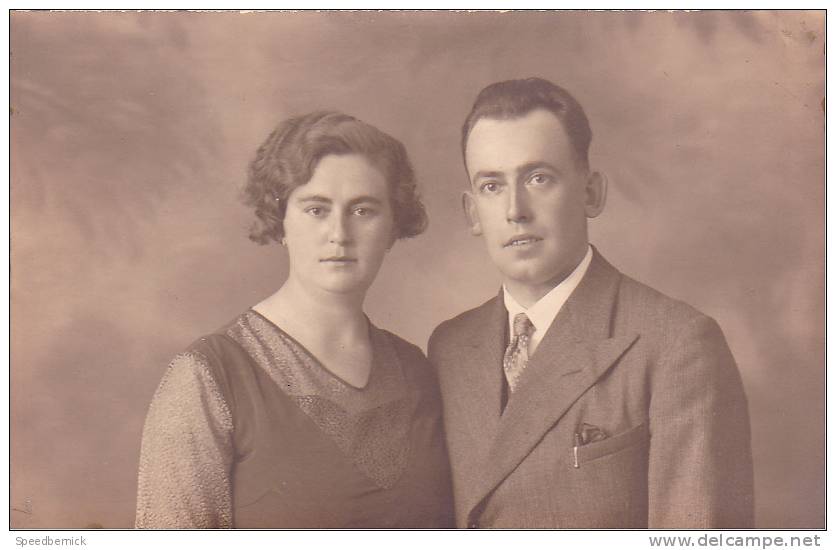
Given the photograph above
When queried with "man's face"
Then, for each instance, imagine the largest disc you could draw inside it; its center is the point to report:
(529, 198)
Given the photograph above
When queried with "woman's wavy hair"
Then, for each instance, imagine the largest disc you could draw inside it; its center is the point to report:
(290, 154)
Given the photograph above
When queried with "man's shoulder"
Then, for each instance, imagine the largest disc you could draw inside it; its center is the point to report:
(644, 309)
(667, 327)
(605, 285)
(642, 297)
(462, 326)
(632, 306)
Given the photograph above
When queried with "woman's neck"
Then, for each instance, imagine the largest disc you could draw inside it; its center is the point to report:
(334, 315)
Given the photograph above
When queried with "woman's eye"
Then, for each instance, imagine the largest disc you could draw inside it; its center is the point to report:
(315, 211)
(364, 211)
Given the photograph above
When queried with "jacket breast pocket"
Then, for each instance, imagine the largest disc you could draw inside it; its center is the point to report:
(617, 443)
(609, 482)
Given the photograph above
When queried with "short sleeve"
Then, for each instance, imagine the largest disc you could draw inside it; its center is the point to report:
(187, 451)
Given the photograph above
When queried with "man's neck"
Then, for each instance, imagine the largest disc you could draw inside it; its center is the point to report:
(527, 294)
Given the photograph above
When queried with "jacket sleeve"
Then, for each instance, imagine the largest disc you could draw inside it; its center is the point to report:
(700, 458)
(187, 451)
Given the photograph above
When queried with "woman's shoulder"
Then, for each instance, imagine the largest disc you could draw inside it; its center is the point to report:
(413, 361)
(221, 344)
(406, 350)
(418, 372)
(216, 354)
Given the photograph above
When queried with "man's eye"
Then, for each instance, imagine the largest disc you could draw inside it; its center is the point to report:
(489, 187)
(540, 179)
(363, 211)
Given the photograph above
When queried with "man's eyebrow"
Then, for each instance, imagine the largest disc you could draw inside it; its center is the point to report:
(529, 167)
(486, 174)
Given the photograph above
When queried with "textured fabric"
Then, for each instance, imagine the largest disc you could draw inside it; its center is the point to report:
(186, 451)
(516, 354)
(652, 373)
(370, 425)
(248, 429)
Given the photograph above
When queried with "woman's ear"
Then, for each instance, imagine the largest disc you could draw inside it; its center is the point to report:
(471, 213)
(596, 194)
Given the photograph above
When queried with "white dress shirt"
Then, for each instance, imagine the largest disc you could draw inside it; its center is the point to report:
(543, 312)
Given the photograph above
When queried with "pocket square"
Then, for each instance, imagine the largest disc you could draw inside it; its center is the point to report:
(589, 433)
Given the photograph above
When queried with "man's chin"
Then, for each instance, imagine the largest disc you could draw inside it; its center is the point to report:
(523, 277)
(532, 277)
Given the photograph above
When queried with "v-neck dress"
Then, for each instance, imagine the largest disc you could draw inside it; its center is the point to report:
(249, 430)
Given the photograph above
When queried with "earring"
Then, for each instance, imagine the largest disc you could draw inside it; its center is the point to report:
(283, 241)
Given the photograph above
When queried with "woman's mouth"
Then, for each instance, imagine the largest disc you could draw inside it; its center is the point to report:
(339, 260)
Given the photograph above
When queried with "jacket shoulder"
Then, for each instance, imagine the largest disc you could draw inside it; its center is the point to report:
(642, 307)
(454, 330)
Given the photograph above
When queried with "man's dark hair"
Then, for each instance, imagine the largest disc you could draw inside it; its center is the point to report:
(516, 98)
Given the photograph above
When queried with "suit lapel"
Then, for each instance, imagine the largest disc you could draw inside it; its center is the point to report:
(478, 380)
(575, 352)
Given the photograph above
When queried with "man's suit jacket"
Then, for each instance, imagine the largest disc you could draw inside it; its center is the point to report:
(652, 373)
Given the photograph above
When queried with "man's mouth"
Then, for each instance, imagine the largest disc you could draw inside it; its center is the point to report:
(522, 240)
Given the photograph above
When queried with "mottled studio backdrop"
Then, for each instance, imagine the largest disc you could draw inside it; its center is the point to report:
(131, 134)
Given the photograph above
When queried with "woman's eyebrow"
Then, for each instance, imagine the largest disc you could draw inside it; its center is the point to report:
(366, 199)
(314, 198)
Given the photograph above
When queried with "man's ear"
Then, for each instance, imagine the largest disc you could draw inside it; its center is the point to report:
(471, 213)
(596, 194)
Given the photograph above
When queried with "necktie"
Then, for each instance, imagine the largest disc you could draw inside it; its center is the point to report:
(516, 354)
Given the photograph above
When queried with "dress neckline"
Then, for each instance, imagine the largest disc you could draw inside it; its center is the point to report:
(315, 360)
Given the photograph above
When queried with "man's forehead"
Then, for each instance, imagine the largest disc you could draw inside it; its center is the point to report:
(539, 118)
(535, 136)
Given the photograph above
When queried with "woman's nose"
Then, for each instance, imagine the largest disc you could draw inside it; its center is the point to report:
(338, 231)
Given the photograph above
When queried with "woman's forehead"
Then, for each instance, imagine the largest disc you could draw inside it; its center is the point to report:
(345, 178)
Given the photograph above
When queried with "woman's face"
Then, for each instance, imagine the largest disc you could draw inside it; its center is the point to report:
(339, 225)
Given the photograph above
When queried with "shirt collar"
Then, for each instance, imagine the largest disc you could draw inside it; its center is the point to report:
(543, 312)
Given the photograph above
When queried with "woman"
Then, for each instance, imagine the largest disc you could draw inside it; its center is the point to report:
(300, 413)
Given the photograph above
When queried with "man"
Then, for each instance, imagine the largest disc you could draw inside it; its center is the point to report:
(577, 397)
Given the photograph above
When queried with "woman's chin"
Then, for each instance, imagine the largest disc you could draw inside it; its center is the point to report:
(343, 284)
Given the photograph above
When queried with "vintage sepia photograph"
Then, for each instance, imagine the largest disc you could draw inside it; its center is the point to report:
(329, 269)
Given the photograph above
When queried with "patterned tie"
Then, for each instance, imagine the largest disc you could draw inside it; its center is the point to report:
(516, 354)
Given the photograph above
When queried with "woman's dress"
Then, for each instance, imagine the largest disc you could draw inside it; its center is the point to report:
(248, 430)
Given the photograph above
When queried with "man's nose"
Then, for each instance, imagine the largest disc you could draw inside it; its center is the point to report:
(338, 232)
(519, 210)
